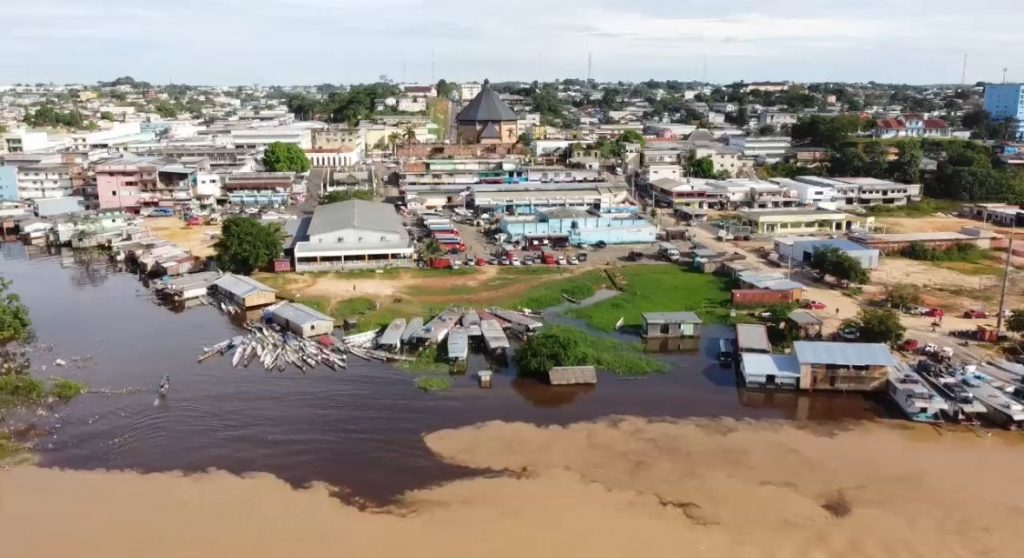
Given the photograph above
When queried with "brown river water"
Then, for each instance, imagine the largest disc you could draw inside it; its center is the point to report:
(361, 429)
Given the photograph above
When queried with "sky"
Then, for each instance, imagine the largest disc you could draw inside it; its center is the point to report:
(230, 42)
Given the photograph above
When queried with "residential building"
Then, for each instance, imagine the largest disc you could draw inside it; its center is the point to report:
(412, 104)
(209, 188)
(724, 107)
(530, 198)
(44, 181)
(912, 126)
(663, 171)
(487, 119)
(800, 250)
(767, 86)
(334, 158)
(843, 366)
(419, 91)
(761, 370)
(258, 188)
(354, 234)
(799, 221)
(260, 138)
(671, 331)
(689, 193)
(561, 226)
(857, 191)
(25, 141)
(339, 136)
(302, 320)
(1006, 100)
(758, 194)
(469, 90)
(777, 119)
(131, 183)
(891, 243)
(752, 338)
(764, 149)
(9, 170)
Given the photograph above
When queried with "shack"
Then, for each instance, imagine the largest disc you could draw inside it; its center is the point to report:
(572, 375)
(301, 319)
(761, 370)
(671, 331)
(752, 338)
(837, 366)
(806, 325)
(185, 287)
(243, 291)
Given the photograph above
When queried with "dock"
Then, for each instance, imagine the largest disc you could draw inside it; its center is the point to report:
(495, 339)
(391, 339)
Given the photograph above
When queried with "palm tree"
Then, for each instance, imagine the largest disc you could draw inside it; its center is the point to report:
(431, 250)
(393, 139)
(410, 135)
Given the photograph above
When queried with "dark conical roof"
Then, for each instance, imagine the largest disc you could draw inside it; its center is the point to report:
(487, 106)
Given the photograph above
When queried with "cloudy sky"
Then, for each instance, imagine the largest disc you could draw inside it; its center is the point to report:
(342, 41)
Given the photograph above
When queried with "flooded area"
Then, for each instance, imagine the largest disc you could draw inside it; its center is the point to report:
(361, 429)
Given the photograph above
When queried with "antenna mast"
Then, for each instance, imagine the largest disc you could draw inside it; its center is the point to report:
(963, 73)
(590, 66)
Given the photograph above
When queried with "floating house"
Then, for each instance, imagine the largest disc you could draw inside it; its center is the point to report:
(495, 340)
(572, 375)
(807, 325)
(826, 365)
(671, 331)
(301, 319)
(752, 338)
(243, 291)
(762, 370)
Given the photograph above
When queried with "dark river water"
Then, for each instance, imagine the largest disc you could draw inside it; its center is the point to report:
(359, 429)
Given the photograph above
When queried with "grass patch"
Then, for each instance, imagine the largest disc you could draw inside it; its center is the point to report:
(548, 294)
(65, 390)
(432, 384)
(659, 288)
(923, 208)
(426, 361)
(21, 389)
(353, 307)
(566, 346)
(971, 268)
(10, 449)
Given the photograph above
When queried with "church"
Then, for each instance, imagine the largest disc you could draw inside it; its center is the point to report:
(487, 120)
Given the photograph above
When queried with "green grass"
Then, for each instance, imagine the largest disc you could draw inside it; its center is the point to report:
(659, 288)
(432, 384)
(426, 361)
(21, 389)
(548, 294)
(565, 346)
(353, 307)
(971, 268)
(66, 390)
(9, 448)
(923, 208)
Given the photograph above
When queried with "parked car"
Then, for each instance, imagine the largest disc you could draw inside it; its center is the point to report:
(561, 260)
(503, 261)
(481, 262)
(848, 334)
(976, 314)
(515, 261)
(916, 311)
(910, 345)
(600, 244)
(573, 260)
(935, 313)
(582, 257)
(469, 262)
(814, 305)
(492, 261)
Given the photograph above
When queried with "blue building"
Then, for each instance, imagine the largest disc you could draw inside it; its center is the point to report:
(1006, 100)
(573, 226)
(801, 250)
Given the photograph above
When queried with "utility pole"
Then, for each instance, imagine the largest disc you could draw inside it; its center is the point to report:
(590, 67)
(963, 73)
(1004, 73)
(1006, 278)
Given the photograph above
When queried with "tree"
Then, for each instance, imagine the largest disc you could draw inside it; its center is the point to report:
(14, 321)
(907, 168)
(847, 162)
(285, 157)
(107, 115)
(825, 131)
(432, 250)
(345, 195)
(1015, 323)
(702, 167)
(876, 160)
(766, 130)
(631, 136)
(525, 140)
(903, 295)
(247, 245)
(444, 89)
(165, 109)
(844, 267)
(878, 326)
(742, 115)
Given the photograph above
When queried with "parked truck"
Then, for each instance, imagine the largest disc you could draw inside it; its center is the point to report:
(668, 251)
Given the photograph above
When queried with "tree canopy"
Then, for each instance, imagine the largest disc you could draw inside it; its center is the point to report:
(878, 326)
(14, 320)
(903, 295)
(836, 263)
(565, 346)
(345, 195)
(247, 245)
(285, 157)
(46, 116)
(825, 131)
(1015, 322)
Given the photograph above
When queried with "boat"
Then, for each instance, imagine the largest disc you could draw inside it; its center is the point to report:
(239, 352)
(1001, 408)
(458, 344)
(914, 397)
(359, 339)
(165, 386)
(391, 339)
(520, 321)
(495, 340)
(963, 407)
(437, 329)
(411, 329)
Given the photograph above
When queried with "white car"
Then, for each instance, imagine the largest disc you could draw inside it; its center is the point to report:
(515, 261)
(561, 260)
(503, 260)
(573, 260)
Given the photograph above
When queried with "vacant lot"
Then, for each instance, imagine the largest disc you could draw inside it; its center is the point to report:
(376, 299)
(658, 288)
(198, 240)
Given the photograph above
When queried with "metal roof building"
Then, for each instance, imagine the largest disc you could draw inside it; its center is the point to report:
(766, 370)
(843, 354)
(244, 291)
(302, 320)
(672, 317)
(354, 234)
(752, 338)
(487, 106)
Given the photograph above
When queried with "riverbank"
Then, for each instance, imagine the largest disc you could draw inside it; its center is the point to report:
(623, 487)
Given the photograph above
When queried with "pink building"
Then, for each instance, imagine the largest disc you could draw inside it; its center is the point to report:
(120, 182)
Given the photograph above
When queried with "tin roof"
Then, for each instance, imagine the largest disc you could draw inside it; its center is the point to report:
(804, 318)
(846, 354)
(762, 364)
(752, 337)
(300, 313)
(671, 317)
(240, 285)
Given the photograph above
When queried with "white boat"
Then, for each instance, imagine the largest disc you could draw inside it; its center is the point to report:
(360, 339)
(239, 351)
(915, 398)
(1002, 409)
(391, 339)
(458, 344)
(495, 339)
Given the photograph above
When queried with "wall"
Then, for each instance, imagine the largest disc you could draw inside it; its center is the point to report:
(8, 183)
(763, 297)
(114, 193)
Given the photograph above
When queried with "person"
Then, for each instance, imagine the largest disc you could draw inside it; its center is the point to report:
(837, 311)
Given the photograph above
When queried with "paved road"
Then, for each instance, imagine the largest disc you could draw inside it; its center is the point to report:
(314, 182)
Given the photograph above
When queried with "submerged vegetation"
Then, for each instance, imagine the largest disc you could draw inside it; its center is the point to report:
(432, 384)
(426, 361)
(565, 346)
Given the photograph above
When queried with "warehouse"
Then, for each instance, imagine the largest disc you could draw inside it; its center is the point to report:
(892, 243)
(531, 198)
(801, 250)
(354, 234)
(302, 320)
(843, 366)
(776, 221)
(243, 291)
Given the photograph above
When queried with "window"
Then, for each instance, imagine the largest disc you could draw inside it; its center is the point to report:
(665, 329)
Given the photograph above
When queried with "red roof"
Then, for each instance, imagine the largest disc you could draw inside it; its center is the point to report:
(891, 124)
(935, 124)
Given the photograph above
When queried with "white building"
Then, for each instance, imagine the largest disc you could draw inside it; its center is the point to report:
(412, 104)
(44, 181)
(809, 194)
(860, 191)
(469, 90)
(766, 149)
(772, 118)
(662, 170)
(334, 158)
(26, 141)
(260, 138)
(354, 234)
(724, 107)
